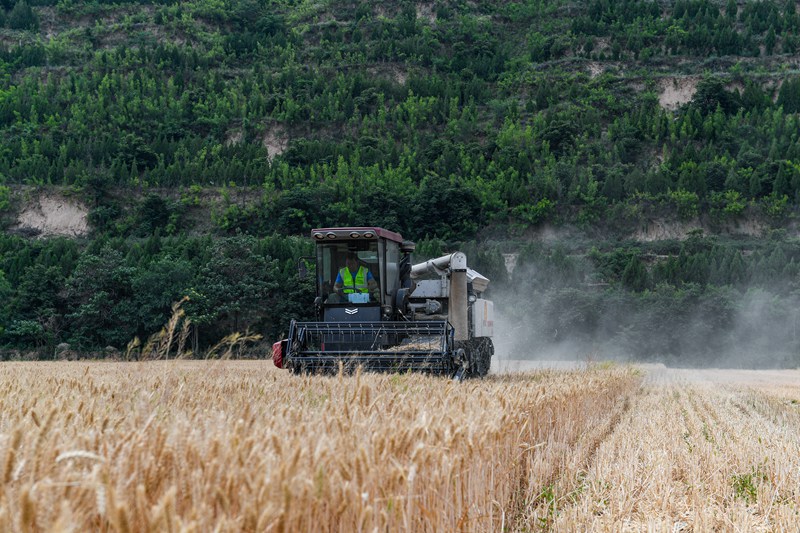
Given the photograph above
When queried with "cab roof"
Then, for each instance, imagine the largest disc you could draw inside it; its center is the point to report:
(356, 232)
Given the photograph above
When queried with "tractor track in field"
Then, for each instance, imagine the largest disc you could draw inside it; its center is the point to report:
(566, 481)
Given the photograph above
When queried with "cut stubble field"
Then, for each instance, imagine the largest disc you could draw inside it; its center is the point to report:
(242, 446)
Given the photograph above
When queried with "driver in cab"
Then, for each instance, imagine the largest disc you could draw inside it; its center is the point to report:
(355, 279)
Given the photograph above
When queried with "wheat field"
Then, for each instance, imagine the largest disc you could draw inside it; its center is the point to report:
(242, 446)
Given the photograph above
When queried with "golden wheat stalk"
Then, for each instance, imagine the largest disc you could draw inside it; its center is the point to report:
(170, 446)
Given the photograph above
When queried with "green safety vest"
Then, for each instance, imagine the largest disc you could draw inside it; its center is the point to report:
(360, 284)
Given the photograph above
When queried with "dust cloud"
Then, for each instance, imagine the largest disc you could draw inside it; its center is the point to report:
(774, 380)
(549, 315)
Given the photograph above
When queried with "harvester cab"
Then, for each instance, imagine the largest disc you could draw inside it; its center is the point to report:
(356, 273)
(378, 311)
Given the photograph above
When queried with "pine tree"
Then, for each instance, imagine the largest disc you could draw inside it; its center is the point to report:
(612, 187)
(22, 17)
(781, 184)
(635, 275)
(737, 270)
(769, 41)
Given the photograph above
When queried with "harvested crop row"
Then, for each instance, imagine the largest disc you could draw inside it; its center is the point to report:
(694, 455)
(239, 446)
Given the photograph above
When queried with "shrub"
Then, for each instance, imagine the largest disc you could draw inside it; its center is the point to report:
(534, 213)
(687, 203)
(5, 198)
(728, 204)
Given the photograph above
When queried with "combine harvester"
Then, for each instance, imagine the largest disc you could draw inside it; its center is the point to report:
(428, 317)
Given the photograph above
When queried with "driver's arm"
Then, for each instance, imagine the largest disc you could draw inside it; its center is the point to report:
(337, 285)
(372, 286)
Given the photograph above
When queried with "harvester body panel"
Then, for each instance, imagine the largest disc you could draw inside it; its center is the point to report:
(483, 318)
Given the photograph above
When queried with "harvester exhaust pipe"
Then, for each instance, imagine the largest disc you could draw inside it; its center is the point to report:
(440, 265)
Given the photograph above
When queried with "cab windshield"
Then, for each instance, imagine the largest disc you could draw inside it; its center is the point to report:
(331, 260)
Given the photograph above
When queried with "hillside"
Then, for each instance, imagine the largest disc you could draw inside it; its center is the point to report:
(650, 133)
(482, 113)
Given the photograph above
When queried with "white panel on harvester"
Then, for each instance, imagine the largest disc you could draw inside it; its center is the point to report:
(483, 318)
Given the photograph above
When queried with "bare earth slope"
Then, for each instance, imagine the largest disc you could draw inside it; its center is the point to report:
(52, 214)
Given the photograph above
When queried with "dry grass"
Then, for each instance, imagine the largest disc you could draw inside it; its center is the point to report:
(241, 446)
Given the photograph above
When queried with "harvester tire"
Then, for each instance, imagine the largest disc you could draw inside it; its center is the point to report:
(481, 356)
(479, 352)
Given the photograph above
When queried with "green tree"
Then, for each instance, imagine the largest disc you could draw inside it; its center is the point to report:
(635, 276)
(163, 282)
(5, 299)
(731, 9)
(5, 198)
(22, 17)
(38, 299)
(769, 41)
(789, 95)
(710, 93)
(99, 293)
(153, 213)
(613, 187)
(237, 289)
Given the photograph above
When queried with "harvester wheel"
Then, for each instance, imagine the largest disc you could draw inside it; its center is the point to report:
(478, 352)
(461, 357)
(481, 356)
